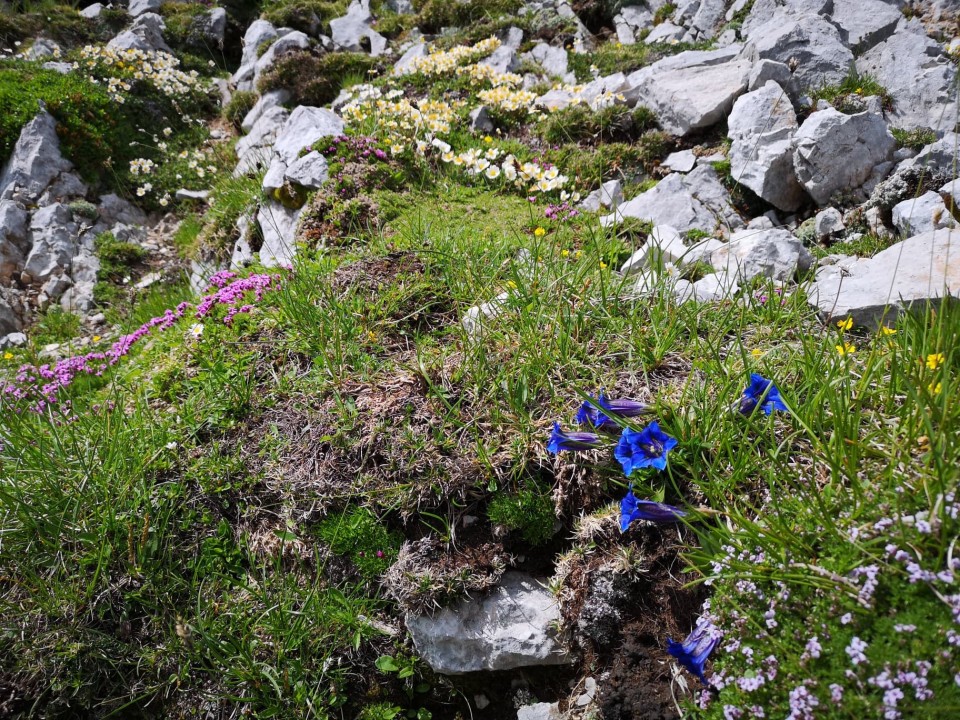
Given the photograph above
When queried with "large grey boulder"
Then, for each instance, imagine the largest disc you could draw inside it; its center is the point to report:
(838, 153)
(773, 253)
(553, 60)
(271, 99)
(864, 23)
(807, 42)
(310, 171)
(762, 10)
(706, 20)
(146, 34)
(13, 238)
(36, 160)
(348, 32)
(918, 76)
(696, 201)
(259, 32)
(608, 195)
(514, 626)
(213, 25)
(761, 127)
(691, 90)
(304, 127)
(254, 149)
(278, 225)
(922, 214)
(874, 291)
(410, 55)
(53, 241)
(630, 21)
(113, 209)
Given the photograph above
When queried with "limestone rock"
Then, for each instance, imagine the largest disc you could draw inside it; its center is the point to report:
(146, 33)
(864, 23)
(139, 7)
(92, 11)
(474, 319)
(253, 150)
(36, 160)
(53, 241)
(692, 90)
(772, 253)
(310, 171)
(553, 60)
(837, 153)
(608, 195)
(304, 127)
(13, 238)
(761, 126)
(10, 314)
(922, 214)
(278, 224)
(681, 161)
(413, 53)
(213, 25)
(271, 99)
(480, 120)
(259, 32)
(514, 626)
(809, 42)
(876, 290)
(353, 31)
(828, 224)
(630, 21)
(696, 201)
(541, 711)
(919, 78)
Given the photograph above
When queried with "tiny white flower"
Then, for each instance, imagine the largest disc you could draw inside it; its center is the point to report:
(196, 330)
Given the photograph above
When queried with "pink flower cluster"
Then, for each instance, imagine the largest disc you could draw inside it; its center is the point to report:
(40, 385)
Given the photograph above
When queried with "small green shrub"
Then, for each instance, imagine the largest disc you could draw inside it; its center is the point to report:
(914, 139)
(84, 209)
(116, 257)
(304, 15)
(361, 536)
(56, 325)
(240, 104)
(663, 13)
(592, 166)
(434, 15)
(315, 79)
(616, 123)
(530, 511)
(847, 97)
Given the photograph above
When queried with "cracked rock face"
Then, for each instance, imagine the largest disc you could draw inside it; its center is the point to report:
(874, 291)
(512, 627)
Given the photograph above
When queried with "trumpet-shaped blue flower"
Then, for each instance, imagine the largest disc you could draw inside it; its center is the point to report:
(693, 652)
(632, 509)
(597, 412)
(560, 440)
(761, 393)
(646, 448)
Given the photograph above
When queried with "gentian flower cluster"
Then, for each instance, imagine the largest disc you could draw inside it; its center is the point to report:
(693, 652)
(761, 393)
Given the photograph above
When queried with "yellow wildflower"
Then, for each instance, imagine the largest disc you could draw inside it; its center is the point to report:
(935, 388)
(564, 253)
(934, 360)
(846, 349)
(539, 232)
(888, 331)
(8, 355)
(603, 265)
(845, 324)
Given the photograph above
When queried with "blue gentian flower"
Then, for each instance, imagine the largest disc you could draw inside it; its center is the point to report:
(632, 509)
(692, 653)
(761, 393)
(560, 440)
(647, 448)
(597, 412)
